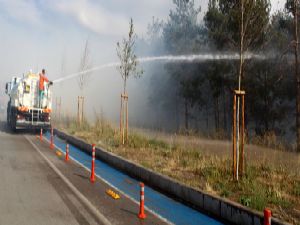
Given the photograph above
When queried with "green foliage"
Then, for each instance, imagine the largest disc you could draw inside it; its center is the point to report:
(246, 201)
(280, 32)
(181, 32)
(266, 95)
(258, 196)
(197, 96)
(211, 172)
(262, 185)
(296, 188)
(155, 34)
(223, 20)
(154, 143)
(128, 59)
(137, 141)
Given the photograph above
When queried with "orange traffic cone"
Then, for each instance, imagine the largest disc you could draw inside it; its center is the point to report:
(92, 179)
(67, 153)
(51, 139)
(41, 134)
(142, 214)
(267, 217)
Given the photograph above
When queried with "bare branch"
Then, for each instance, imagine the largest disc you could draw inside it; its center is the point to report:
(128, 59)
(85, 64)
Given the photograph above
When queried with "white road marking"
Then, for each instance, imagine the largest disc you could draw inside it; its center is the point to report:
(80, 196)
(109, 184)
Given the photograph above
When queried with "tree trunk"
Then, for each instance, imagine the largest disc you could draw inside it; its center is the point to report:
(207, 117)
(224, 111)
(124, 84)
(217, 114)
(266, 99)
(177, 114)
(82, 109)
(239, 88)
(78, 110)
(297, 78)
(215, 111)
(186, 115)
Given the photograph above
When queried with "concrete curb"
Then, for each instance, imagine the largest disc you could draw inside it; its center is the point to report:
(212, 205)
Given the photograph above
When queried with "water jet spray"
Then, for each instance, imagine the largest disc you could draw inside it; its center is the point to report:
(170, 59)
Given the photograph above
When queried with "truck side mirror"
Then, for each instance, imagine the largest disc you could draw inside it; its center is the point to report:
(6, 88)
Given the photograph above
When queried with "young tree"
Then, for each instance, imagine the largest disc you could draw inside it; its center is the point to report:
(83, 79)
(267, 98)
(293, 7)
(268, 90)
(183, 35)
(238, 25)
(128, 60)
(128, 67)
(85, 64)
(155, 35)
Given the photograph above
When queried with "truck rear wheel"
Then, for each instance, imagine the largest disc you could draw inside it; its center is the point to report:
(14, 125)
(13, 120)
(8, 114)
(7, 120)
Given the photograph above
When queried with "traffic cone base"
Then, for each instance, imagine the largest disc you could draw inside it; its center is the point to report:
(41, 134)
(51, 143)
(51, 139)
(67, 153)
(92, 179)
(142, 216)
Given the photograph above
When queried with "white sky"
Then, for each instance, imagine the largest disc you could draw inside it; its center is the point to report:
(36, 34)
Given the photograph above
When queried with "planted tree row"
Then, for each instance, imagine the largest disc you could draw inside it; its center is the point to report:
(200, 94)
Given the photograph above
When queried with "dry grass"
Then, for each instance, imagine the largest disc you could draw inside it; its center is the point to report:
(264, 185)
(270, 140)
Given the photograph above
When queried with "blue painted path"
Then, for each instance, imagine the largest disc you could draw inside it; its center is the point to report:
(167, 208)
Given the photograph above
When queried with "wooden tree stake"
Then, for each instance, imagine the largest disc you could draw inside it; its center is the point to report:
(238, 153)
(124, 118)
(80, 114)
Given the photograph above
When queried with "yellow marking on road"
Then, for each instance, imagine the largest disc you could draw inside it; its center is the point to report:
(113, 194)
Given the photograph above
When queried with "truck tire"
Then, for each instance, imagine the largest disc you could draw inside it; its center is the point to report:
(8, 114)
(7, 119)
(14, 125)
(13, 120)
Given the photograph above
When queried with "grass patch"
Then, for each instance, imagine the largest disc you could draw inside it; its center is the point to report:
(296, 188)
(261, 186)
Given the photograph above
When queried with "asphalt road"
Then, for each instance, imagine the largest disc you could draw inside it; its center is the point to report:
(29, 189)
(32, 193)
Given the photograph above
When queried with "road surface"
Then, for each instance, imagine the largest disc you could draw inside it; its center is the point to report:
(32, 193)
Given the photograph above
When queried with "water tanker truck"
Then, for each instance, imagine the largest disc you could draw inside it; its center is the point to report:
(26, 108)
